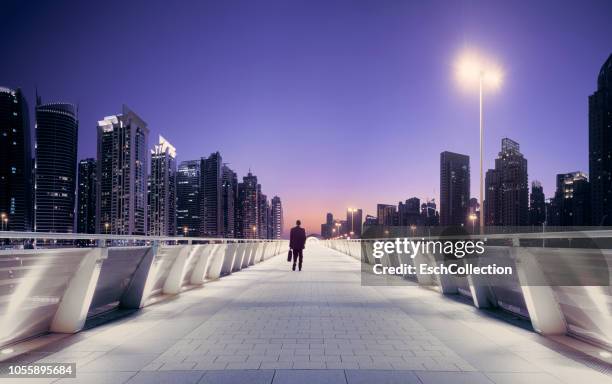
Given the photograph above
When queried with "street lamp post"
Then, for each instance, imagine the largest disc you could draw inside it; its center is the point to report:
(472, 68)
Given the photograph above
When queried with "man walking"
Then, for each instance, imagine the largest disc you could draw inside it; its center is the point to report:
(297, 241)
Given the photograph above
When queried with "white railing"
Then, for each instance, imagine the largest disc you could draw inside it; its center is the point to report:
(583, 311)
(67, 278)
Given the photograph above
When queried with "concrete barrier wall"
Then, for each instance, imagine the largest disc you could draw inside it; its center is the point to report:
(580, 311)
(56, 290)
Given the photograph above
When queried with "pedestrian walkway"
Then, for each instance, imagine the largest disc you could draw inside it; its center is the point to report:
(267, 324)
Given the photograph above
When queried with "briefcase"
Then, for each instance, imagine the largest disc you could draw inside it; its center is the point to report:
(290, 255)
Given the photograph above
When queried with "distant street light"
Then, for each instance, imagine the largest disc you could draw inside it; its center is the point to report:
(472, 69)
(473, 218)
(106, 226)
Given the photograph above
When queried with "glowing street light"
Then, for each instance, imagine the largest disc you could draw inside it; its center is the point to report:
(473, 218)
(473, 69)
(106, 226)
(185, 230)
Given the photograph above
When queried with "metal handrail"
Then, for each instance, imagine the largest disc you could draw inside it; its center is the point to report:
(594, 234)
(85, 236)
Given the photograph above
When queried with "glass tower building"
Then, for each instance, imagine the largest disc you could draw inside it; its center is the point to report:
(55, 167)
(122, 174)
(15, 162)
(188, 198)
(600, 147)
(86, 197)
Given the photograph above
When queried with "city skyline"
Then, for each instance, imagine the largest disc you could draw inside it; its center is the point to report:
(253, 94)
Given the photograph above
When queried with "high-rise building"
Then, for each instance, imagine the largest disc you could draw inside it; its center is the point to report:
(370, 221)
(571, 204)
(537, 204)
(210, 194)
(86, 196)
(55, 168)
(454, 188)
(262, 217)
(122, 174)
(15, 162)
(354, 219)
(188, 204)
(247, 209)
(162, 190)
(328, 229)
(409, 213)
(277, 217)
(600, 147)
(507, 194)
(229, 192)
(429, 213)
(387, 214)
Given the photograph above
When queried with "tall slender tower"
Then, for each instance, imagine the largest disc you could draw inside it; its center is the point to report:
(454, 188)
(210, 192)
(86, 197)
(277, 217)
(248, 207)
(600, 147)
(188, 198)
(122, 174)
(55, 167)
(162, 190)
(15, 162)
(229, 190)
(507, 191)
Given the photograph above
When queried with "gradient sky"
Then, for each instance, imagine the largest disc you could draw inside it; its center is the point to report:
(330, 103)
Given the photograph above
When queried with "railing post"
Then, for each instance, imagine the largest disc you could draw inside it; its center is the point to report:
(73, 307)
(140, 285)
(174, 281)
(544, 310)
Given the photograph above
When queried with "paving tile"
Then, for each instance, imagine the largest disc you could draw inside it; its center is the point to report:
(237, 376)
(455, 378)
(168, 377)
(381, 377)
(309, 377)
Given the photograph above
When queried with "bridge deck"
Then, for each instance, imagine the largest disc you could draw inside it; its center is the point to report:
(267, 324)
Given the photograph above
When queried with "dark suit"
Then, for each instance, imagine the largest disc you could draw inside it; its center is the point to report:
(297, 241)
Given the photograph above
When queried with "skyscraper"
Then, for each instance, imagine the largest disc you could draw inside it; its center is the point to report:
(409, 213)
(122, 174)
(454, 188)
(188, 204)
(600, 147)
(507, 194)
(537, 204)
(429, 213)
(229, 192)
(571, 204)
(387, 214)
(15, 162)
(262, 216)
(162, 190)
(247, 211)
(55, 167)
(277, 218)
(210, 194)
(86, 196)
(354, 219)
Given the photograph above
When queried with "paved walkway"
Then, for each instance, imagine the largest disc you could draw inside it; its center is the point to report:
(267, 324)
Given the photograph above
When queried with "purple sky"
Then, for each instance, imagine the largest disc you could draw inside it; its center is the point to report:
(330, 103)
